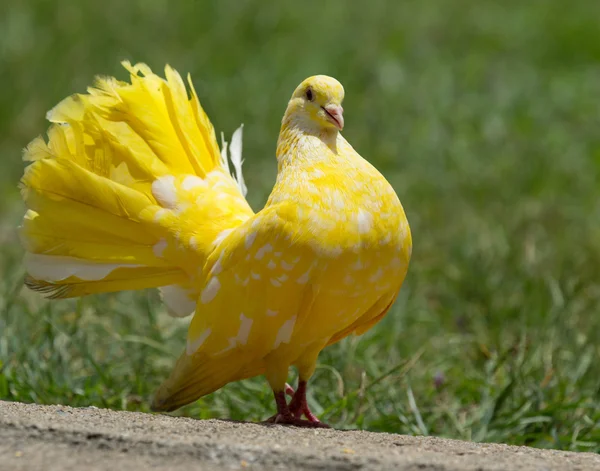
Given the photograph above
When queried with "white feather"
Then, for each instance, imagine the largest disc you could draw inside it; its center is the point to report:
(59, 267)
(234, 150)
(224, 159)
(177, 300)
(235, 154)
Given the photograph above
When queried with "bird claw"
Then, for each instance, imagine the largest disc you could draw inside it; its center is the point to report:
(298, 407)
(281, 419)
(299, 411)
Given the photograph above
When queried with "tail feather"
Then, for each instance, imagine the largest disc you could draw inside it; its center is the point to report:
(61, 179)
(194, 376)
(119, 279)
(129, 192)
(176, 129)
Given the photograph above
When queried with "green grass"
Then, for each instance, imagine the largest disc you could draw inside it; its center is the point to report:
(484, 116)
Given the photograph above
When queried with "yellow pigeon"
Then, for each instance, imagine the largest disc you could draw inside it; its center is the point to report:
(131, 191)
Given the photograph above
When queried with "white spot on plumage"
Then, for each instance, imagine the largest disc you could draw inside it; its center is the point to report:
(250, 238)
(193, 181)
(287, 266)
(193, 243)
(221, 236)
(163, 189)
(260, 253)
(385, 240)
(222, 184)
(159, 214)
(358, 265)
(177, 300)
(242, 336)
(244, 332)
(383, 287)
(214, 175)
(217, 267)
(271, 313)
(328, 251)
(337, 200)
(365, 221)
(348, 279)
(239, 280)
(271, 265)
(210, 290)
(275, 282)
(255, 276)
(284, 334)
(159, 247)
(376, 276)
(193, 346)
(181, 208)
(312, 189)
(303, 279)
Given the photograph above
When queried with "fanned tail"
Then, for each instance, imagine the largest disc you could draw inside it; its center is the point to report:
(129, 192)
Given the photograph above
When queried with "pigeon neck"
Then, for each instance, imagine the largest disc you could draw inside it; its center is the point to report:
(304, 139)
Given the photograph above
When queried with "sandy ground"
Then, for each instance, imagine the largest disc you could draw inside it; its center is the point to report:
(34, 437)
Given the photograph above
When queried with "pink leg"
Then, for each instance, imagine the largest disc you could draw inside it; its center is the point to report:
(299, 406)
(285, 417)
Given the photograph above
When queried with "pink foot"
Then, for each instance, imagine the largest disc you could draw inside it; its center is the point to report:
(285, 416)
(299, 407)
(281, 419)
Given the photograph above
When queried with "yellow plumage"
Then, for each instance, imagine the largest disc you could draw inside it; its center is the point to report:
(132, 192)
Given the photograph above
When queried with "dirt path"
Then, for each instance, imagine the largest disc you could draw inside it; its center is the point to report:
(36, 437)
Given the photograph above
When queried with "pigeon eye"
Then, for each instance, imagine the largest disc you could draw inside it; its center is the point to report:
(309, 94)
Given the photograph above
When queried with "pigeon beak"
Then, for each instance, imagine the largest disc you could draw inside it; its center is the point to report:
(335, 115)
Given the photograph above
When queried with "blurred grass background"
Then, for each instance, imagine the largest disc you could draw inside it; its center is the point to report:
(484, 116)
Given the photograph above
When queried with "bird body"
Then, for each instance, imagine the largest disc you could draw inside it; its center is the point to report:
(325, 258)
